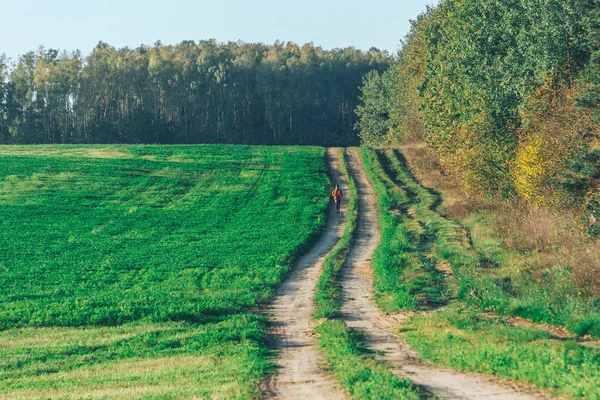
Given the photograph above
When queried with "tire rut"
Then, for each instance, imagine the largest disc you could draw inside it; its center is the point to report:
(299, 374)
(360, 312)
(434, 292)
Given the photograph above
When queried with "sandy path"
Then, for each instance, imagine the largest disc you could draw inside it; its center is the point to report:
(299, 375)
(361, 312)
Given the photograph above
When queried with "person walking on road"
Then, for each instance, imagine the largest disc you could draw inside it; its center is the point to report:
(337, 197)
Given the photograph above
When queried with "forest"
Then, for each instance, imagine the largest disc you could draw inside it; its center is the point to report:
(193, 92)
(505, 93)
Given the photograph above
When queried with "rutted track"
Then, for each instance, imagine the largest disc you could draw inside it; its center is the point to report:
(361, 313)
(299, 374)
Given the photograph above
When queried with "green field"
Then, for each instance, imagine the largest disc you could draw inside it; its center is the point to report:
(138, 269)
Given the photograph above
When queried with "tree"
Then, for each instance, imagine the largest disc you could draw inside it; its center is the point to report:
(492, 87)
(4, 99)
(591, 75)
(378, 98)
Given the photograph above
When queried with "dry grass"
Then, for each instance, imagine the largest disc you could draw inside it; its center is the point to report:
(540, 238)
(38, 338)
(111, 151)
(430, 171)
(172, 377)
(538, 229)
(549, 239)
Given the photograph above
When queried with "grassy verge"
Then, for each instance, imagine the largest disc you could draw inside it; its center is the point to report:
(356, 370)
(465, 340)
(351, 364)
(408, 263)
(391, 258)
(478, 264)
(517, 262)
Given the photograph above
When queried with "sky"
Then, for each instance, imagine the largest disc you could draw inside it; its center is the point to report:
(81, 24)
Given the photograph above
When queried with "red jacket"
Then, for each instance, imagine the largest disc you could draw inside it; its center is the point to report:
(337, 194)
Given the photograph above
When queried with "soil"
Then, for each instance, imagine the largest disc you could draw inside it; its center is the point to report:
(299, 372)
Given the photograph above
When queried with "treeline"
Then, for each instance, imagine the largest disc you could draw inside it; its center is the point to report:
(203, 92)
(507, 94)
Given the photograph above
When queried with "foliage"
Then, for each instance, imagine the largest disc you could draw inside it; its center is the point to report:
(493, 87)
(174, 246)
(375, 123)
(411, 68)
(582, 177)
(591, 76)
(555, 133)
(4, 134)
(194, 92)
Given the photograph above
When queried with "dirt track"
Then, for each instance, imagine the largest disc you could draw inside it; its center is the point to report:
(299, 374)
(361, 312)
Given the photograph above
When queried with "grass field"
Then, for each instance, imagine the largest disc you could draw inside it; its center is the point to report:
(138, 269)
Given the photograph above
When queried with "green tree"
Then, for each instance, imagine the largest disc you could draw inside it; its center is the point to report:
(591, 76)
(4, 98)
(491, 87)
(378, 100)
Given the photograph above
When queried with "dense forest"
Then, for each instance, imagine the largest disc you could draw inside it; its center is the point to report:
(204, 92)
(506, 94)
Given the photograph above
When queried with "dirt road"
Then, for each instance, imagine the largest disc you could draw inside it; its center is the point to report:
(361, 312)
(299, 374)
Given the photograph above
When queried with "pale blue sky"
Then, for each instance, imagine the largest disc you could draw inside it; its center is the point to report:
(80, 24)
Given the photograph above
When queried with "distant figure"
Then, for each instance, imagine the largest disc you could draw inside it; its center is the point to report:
(337, 197)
